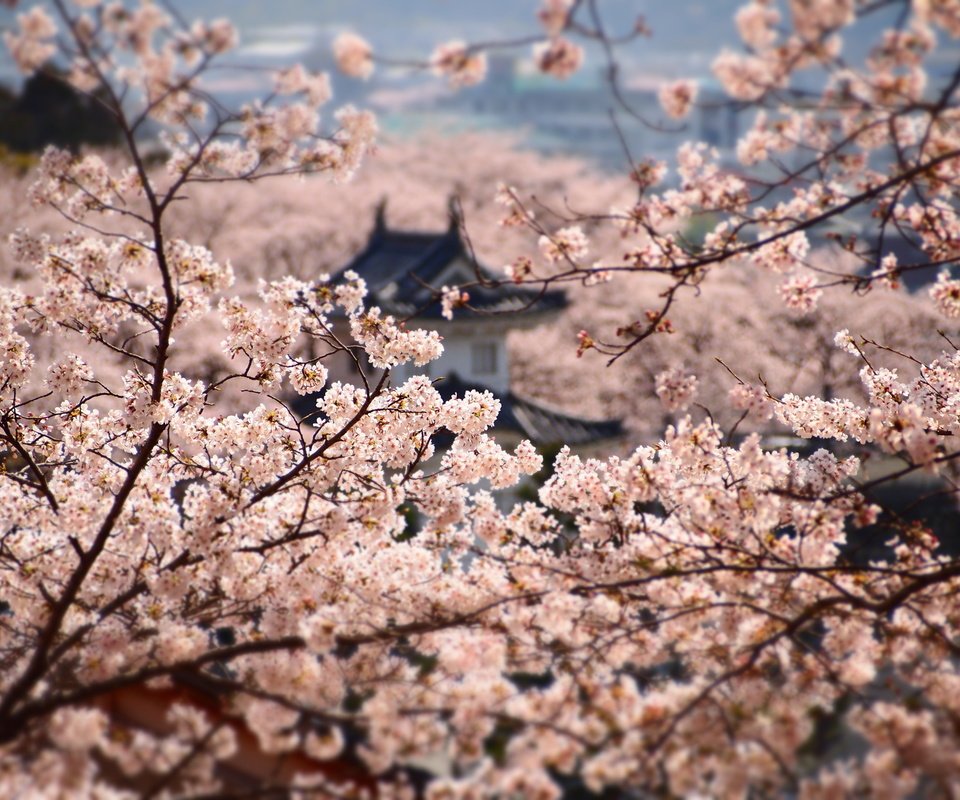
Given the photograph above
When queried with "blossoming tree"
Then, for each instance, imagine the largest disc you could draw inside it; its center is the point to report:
(691, 632)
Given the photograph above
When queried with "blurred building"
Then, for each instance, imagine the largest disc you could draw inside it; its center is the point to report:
(404, 271)
(574, 116)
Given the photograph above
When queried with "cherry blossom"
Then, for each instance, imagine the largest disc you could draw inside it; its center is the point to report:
(567, 243)
(456, 62)
(801, 293)
(558, 57)
(554, 15)
(676, 389)
(677, 98)
(354, 55)
(946, 294)
(33, 45)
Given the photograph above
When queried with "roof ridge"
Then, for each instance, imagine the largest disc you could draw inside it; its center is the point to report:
(550, 409)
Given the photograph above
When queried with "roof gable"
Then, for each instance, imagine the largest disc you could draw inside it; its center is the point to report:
(404, 271)
(457, 272)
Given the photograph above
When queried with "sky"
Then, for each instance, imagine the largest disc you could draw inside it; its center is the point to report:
(687, 33)
(686, 37)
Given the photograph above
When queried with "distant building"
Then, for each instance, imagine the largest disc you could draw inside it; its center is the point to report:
(574, 116)
(404, 270)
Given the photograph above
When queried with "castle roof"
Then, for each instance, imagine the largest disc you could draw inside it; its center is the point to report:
(540, 424)
(404, 271)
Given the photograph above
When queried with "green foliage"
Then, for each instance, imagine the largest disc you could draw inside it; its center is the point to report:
(50, 111)
(19, 163)
(495, 745)
(412, 521)
(697, 229)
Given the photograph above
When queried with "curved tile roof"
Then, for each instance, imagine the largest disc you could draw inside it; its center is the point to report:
(538, 423)
(404, 270)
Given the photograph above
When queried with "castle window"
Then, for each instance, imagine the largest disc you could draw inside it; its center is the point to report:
(483, 358)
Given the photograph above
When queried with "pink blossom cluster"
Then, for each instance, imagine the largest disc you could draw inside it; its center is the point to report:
(677, 98)
(554, 15)
(676, 388)
(452, 297)
(459, 64)
(33, 44)
(559, 57)
(354, 55)
(946, 294)
(566, 244)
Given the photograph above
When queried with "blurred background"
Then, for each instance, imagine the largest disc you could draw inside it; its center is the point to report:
(570, 117)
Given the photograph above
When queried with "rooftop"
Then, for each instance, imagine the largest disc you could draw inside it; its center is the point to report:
(405, 270)
(531, 420)
(538, 423)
